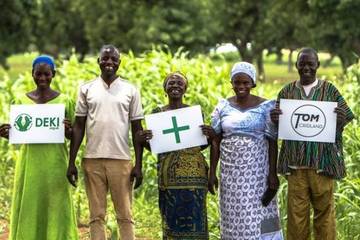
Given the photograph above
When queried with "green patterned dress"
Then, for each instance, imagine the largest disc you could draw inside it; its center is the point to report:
(41, 204)
(182, 179)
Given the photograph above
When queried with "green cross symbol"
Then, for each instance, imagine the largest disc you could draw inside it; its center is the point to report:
(176, 129)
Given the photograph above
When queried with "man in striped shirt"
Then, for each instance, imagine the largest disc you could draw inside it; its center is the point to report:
(311, 167)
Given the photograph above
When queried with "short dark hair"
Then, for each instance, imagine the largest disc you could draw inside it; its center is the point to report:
(109, 46)
(308, 50)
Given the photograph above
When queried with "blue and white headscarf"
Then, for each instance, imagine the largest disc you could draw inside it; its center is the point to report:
(44, 59)
(244, 67)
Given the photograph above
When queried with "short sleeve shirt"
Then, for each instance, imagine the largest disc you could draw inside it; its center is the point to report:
(229, 120)
(327, 158)
(109, 111)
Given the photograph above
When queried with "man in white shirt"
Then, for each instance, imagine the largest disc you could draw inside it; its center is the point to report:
(106, 108)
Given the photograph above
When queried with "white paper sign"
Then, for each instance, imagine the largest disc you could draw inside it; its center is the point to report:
(176, 129)
(37, 123)
(311, 121)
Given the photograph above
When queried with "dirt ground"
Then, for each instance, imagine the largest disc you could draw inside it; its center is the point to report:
(4, 235)
(83, 233)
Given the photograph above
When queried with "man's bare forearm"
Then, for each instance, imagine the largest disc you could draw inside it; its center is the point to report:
(77, 137)
(138, 148)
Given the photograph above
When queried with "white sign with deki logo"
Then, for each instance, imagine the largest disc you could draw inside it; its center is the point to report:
(312, 121)
(37, 123)
(176, 129)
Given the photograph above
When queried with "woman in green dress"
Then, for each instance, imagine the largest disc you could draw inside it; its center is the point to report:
(182, 176)
(41, 204)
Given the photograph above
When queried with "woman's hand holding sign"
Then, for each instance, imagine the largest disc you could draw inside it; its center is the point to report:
(68, 128)
(208, 131)
(4, 130)
(143, 136)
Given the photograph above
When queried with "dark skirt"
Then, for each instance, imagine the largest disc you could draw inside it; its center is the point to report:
(183, 213)
(182, 194)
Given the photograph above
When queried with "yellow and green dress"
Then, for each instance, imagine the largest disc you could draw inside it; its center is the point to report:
(41, 204)
(182, 179)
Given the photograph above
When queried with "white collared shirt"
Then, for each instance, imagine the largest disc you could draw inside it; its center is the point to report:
(109, 111)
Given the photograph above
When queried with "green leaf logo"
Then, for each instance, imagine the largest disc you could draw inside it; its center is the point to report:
(23, 122)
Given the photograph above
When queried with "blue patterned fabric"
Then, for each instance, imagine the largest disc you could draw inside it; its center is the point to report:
(182, 178)
(183, 213)
(244, 67)
(254, 122)
(244, 168)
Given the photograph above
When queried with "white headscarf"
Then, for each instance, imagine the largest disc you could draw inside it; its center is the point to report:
(244, 67)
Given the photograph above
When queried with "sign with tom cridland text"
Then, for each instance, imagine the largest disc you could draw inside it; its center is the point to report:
(176, 129)
(312, 121)
(37, 123)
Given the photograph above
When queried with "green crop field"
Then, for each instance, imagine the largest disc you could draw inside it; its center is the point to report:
(208, 82)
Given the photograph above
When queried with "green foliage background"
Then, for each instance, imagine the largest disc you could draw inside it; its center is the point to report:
(208, 82)
(251, 26)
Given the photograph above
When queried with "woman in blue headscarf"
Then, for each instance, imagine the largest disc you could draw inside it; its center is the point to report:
(41, 204)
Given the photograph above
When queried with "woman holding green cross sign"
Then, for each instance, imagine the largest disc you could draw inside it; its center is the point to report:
(182, 175)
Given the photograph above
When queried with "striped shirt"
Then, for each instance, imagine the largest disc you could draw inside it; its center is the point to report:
(326, 158)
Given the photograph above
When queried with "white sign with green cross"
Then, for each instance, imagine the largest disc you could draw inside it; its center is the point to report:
(37, 123)
(176, 129)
